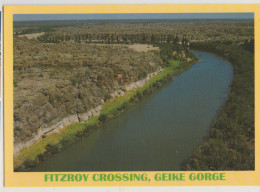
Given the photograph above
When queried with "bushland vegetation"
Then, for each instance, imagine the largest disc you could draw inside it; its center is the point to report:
(30, 157)
(54, 79)
(132, 31)
(230, 144)
(75, 66)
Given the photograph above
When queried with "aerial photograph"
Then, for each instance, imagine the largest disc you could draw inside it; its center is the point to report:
(133, 92)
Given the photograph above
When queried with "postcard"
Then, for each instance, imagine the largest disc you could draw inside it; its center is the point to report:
(131, 95)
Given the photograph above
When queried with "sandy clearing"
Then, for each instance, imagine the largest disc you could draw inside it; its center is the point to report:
(143, 47)
(33, 35)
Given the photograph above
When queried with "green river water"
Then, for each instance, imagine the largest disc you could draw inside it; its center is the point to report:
(158, 133)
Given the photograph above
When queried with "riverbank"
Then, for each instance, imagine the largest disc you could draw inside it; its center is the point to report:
(56, 142)
(230, 144)
(80, 117)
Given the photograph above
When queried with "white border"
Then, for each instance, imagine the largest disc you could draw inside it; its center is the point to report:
(110, 189)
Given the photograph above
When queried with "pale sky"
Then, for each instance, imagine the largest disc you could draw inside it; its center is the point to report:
(39, 17)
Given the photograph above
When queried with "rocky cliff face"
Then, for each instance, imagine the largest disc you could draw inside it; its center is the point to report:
(57, 84)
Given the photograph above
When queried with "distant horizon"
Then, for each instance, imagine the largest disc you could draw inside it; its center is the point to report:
(133, 16)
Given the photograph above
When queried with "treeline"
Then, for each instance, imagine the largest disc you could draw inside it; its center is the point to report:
(230, 144)
(115, 38)
(137, 31)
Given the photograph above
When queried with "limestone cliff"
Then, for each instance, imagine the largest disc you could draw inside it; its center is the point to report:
(57, 84)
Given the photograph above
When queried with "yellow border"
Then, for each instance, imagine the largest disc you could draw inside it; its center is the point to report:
(233, 178)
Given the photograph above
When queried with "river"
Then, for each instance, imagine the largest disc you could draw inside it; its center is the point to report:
(159, 132)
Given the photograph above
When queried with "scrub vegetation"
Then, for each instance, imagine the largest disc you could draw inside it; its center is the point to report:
(230, 144)
(67, 68)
